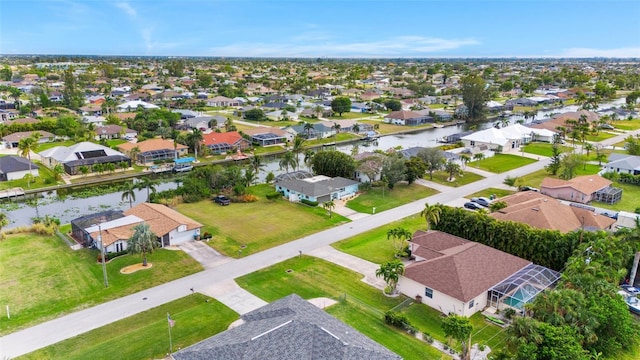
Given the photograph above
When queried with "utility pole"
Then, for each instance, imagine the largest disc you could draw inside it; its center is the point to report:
(104, 265)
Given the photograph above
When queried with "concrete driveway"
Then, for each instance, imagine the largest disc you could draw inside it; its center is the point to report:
(204, 254)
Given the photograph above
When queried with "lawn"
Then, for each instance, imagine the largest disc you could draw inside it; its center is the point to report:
(350, 116)
(630, 198)
(363, 309)
(441, 177)
(384, 199)
(599, 137)
(373, 245)
(42, 278)
(627, 124)
(115, 142)
(535, 178)
(500, 163)
(272, 222)
(491, 191)
(544, 149)
(52, 144)
(145, 335)
(385, 129)
(343, 136)
(45, 178)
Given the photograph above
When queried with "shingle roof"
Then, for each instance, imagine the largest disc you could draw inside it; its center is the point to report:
(624, 161)
(17, 136)
(403, 115)
(288, 329)
(315, 188)
(458, 267)
(587, 184)
(11, 163)
(150, 145)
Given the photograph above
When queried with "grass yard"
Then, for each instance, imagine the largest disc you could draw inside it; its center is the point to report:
(500, 163)
(535, 178)
(491, 191)
(400, 195)
(627, 124)
(373, 245)
(599, 137)
(115, 142)
(544, 149)
(145, 335)
(630, 198)
(441, 177)
(272, 222)
(343, 136)
(42, 278)
(363, 309)
(52, 144)
(350, 116)
(384, 128)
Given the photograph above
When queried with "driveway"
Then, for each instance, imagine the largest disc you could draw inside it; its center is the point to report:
(204, 254)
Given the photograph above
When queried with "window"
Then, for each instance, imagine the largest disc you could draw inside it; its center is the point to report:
(428, 293)
(471, 303)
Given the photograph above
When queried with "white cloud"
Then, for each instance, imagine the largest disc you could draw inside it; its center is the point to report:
(403, 46)
(127, 8)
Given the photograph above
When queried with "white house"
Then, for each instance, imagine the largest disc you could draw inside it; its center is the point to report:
(15, 167)
(623, 163)
(318, 188)
(134, 104)
(510, 138)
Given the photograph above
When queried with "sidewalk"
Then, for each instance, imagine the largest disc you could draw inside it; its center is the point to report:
(364, 267)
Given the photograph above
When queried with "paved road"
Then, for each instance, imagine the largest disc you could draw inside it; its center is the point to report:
(51, 332)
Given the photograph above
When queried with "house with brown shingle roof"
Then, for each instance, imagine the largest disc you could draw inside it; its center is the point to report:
(405, 117)
(154, 150)
(225, 142)
(454, 275)
(544, 212)
(581, 189)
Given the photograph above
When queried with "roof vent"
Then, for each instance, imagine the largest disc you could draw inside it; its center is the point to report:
(535, 209)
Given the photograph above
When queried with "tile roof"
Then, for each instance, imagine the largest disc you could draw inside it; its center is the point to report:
(587, 184)
(150, 145)
(288, 329)
(458, 267)
(230, 138)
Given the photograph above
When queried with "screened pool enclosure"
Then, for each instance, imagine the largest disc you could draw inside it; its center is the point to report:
(522, 287)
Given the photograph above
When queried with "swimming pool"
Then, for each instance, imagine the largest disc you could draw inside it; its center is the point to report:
(516, 300)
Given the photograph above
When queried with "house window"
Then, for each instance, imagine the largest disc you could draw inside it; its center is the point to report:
(428, 293)
(472, 143)
(471, 303)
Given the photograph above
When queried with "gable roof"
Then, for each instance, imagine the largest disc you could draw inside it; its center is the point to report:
(230, 137)
(288, 329)
(17, 136)
(404, 115)
(458, 267)
(587, 184)
(150, 145)
(12, 163)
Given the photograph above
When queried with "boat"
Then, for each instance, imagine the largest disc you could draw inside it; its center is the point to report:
(438, 126)
(370, 136)
(632, 301)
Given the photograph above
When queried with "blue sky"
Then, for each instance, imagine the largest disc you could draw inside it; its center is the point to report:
(309, 28)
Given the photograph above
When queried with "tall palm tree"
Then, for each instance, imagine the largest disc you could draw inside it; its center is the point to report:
(356, 128)
(134, 154)
(329, 206)
(129, 193)
(146, 183)
(257, 164)
(287, 160)
(297, 147)
(431, 214)
(196, 138)
(400, 236)
(307, 128)
(391, 271)
(26, 146)
(143, 241)
(452, 168)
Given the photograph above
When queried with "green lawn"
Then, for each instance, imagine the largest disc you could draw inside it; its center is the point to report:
(272, 222)
(350, 116)
(145, 335)
(500, 163)
(535, 178)
(599, 137)
(627, 124)
(45, 178)
(544, 149)
(115, 142)
(491, 191)
(441, 177)
(630, 198)
(363, 309)
(42, 278)
(373, 245)
(52, 144)
(400, 194)
(343, 136)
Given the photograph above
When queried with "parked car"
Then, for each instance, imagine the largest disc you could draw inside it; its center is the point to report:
(483, 201)
(472, 206)
(222, 200)
(528, 188)
(630, 289)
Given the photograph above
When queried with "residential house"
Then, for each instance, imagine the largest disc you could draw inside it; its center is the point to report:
(134, 105)
(11, 141)
(111, 230)
(202, 122)
(455, 275)
(560, 120)
(91, 109)
(623, 163)
(225, 142)
(288, 329)
(581, 189)
(317, 131)
(152, 150)
(267, 136)
(82, 154)
(368, 163)
(508, 139)
(222, 101)
(318, 189)
(16, 167)
(408, 118)
(281, 115)
(544, 212)
(114, 132)
(95, 120)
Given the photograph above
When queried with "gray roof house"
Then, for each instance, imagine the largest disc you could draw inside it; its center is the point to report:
(319, 188)
(15, 167)
(623, 163)
(288, 329)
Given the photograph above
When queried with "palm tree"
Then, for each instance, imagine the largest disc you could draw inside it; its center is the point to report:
(400, 236)
(307, 128)
(58, 170)
(26, 146)
(249, 177)
(318, 109)
(391, 271)
(257, 164)
(289, 159)
(329, 206)
(464, 159)
(308, 158)
(336, 127)
(297, 148)
(129, 193)
(478, 156)
(146, 183)
(143, 241)
(134, 154)
(431, 214)
(356, 128)
(196, 137)
(453, 169)
(123, 165)
(84, 169)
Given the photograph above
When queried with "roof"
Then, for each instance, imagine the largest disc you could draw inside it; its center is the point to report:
(587, 184)
(230, 138)
(17, 136)
(624, 161)
(488, 136)
(544, 212)
(265, 130)
(12, 163)
(161, 218)
(150, 145)
(83, 150)
(403, 115)
(288, 329)
(458, 267)
(316, 186)
(560, 119)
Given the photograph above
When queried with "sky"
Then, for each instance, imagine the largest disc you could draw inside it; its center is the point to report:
(328, 28)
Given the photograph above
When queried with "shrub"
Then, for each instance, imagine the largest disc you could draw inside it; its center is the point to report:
(206, 235)
(309, 202)
(273, 196)
(400, 321)
(428, 338)
(508, 313)
(247, 198)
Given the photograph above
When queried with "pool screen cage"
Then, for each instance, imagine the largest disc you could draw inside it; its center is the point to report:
(522, 287)
(608, 195)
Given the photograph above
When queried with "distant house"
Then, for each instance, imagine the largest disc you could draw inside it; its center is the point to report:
(12, 140)
(408, 118)
(114, 132)
(581, 189)
(15, 167)
(288, 329)
(225, 142)
(202, 122)
(134, 105)
(455, 275)
(318, 188)
(222, 101)
(623, 163)
(317, 131)
(509, 138)
(281, 115)
(116, 227)
(267, 136)
(82, 154)
(152, 150)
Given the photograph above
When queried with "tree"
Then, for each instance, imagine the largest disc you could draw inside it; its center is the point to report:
(459, 328)
(58, 170)
(393, 169)
(433, 158)
(393, 104)
(142, 241)
(329, 206)
(308, 127)
(287, 160)
(308, 158)
(196, 137)
(588, 147)
(453, 169)
(341, 105)
(400, 236)
(464, 159)
(569, 164)
(497, 205)
(4, 221)
(391, 271)
(146, 183)
(478, 156)
(136, 150)
(26, 146)
(556, 158)
(415, 169)
(257, 164)
(255, 114)
(474, 96)
(129, 193)
(84, 170)
(297, 147)
(431, 214)
(333, 163)
(632, 145)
